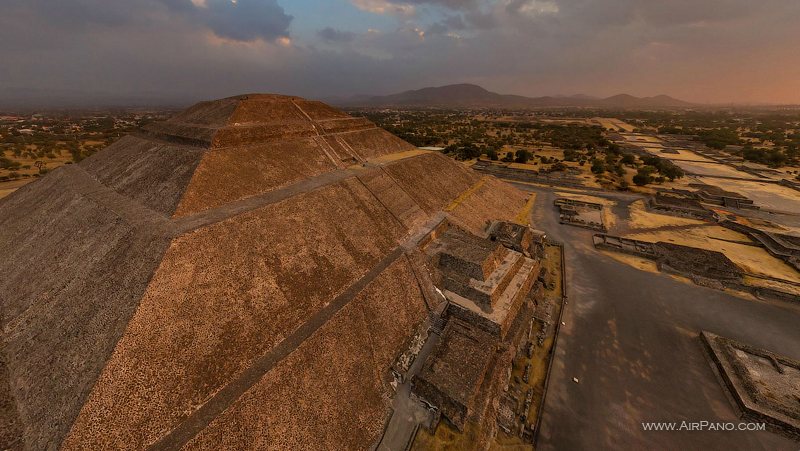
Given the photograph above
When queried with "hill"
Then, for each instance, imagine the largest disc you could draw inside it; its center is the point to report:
(473, 96)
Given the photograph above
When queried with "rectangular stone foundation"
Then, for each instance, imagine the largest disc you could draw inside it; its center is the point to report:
(764, 385)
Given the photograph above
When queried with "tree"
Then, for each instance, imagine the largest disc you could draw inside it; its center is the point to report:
(671, 171)
(522, 156)
(571, 155)
(598, 167)
(643, 176)
(629, 159)
(641, 179)
(6, 163)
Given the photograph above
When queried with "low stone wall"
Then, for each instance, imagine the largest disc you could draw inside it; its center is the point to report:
(570, 213)
(625, 245)
(682, 212)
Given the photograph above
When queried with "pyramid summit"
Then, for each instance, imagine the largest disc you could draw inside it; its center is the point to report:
(224, 150)
(243, 275)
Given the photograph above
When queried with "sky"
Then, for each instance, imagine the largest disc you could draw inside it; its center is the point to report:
(707, 51)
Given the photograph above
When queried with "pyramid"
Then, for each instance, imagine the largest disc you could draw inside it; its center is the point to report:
(242, 275)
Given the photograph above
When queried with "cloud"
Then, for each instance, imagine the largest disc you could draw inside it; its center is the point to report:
(246, 20)
(533, 7)
(200, 49)
(385, 7)
(240, 20)
(410, 7)
(330, 34)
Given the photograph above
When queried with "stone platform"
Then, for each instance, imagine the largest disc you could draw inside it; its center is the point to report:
(765, 386)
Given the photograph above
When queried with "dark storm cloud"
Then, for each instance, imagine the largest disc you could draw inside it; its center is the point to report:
(242, 20)
(330, 34)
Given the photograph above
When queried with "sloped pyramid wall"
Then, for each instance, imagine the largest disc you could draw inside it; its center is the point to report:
(219, 280)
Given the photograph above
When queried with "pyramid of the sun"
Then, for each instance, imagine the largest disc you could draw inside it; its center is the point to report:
(235, 277)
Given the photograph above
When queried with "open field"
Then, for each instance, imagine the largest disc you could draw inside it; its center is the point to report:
(711, 169)
(27, 168)
(682, 154)
(611, 123)
(640, 218)
(638, 138)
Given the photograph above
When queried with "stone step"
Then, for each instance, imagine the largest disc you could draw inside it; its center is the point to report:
(521, 284)
(501, 277)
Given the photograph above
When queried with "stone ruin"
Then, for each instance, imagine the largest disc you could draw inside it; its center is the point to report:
(696, 262)
(568, 178)
(489, 286)
(764, 386)
(704, 267)
(582, 214)
(519, 238)
(710, 194)
(456, 370)
(784, 247)
(678, 204)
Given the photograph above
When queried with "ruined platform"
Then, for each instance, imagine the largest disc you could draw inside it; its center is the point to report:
(581, 214)
(704, 267)
(484, 280)
(517, 237)
(784, 247)
(765, 386)
(681, 205)
(455, 370)
(711, 194)
(487, 283)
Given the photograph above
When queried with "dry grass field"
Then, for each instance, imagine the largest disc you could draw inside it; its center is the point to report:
(683, 154)
(28, 169)
(614, 124)
(711, 169)
(640, 218)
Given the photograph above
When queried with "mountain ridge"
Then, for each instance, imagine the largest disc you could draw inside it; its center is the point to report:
(470, 95)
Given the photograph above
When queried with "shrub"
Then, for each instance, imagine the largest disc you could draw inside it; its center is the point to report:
(522, 156)
(598, 167)
(642, 179)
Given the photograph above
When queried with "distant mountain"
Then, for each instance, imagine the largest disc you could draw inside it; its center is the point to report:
(473, 96)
